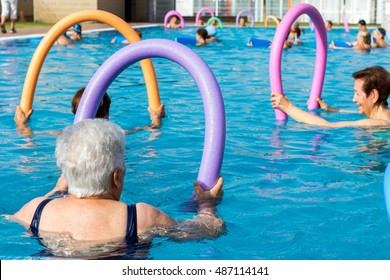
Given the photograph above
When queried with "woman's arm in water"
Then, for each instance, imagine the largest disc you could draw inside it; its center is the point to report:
(324, 106)
(21, 119)
(281, 102)
(203, 225)
(155, 117)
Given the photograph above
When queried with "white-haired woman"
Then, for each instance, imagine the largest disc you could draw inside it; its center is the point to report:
(91, 157)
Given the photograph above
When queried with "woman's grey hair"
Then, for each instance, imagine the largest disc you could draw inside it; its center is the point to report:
(88, 153)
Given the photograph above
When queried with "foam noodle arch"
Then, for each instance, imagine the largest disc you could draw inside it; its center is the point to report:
(321, 54)
(346, 26)
(247, 12)
(200, 11)
(215, 127)
(64, 24)
(174, 13)
(275, 19)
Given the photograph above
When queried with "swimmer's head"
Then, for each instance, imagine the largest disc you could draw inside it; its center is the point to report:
(77, 28)
(375, 78)
(104, 106)
(211, 30)
(202, 33)
(362, 22)
(174, 19)
(362, 25)
(381, 31)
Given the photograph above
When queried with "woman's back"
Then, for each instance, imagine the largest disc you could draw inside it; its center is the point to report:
(82, 219)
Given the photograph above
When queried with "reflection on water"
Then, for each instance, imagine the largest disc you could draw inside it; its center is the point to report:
(63, 246)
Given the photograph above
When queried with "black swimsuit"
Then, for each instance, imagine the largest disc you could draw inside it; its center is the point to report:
(131, 229)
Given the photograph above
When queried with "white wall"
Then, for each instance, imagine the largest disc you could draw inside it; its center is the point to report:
(329, 9)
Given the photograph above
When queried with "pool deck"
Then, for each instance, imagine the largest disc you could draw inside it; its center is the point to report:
(39, 31)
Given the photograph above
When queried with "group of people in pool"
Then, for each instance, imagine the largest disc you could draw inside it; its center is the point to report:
(364, 42)
(203, 35)
(363, 39)
(174, 22)
(91, 157)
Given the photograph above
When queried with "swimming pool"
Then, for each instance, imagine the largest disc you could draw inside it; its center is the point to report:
(292, 191)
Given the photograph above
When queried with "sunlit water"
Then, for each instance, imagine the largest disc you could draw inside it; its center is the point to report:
(292, 191)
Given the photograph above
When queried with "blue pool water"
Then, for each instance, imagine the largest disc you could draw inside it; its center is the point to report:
(292, 191)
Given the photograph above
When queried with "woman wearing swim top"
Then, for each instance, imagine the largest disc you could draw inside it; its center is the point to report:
(371, 90)
(91, 156)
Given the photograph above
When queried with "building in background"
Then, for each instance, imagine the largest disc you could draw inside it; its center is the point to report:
(386, 16)
(370, 10)
(154, 10)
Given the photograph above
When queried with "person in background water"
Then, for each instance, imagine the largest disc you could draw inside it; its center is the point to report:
(9, 9)
(242, 22)
(214, 23)
(287, 43)
(201, 22)
(173, 22)
(362, 43)
(328, 25)
(371, 91)
(201, 37)
(362, 25)
(63, 40)
(122, 40)
(379, 35)
(103, 112)
(76, 32)
(295, 34)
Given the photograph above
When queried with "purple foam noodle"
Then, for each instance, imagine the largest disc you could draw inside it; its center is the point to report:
(321, 54)
(215, 126)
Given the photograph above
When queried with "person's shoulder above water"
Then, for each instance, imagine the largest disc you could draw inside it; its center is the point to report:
(63, 40)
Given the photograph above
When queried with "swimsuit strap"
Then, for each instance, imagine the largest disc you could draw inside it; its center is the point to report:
(131, 229)
(34, 226)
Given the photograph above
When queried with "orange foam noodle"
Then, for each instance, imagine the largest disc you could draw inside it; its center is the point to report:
(64, 24)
